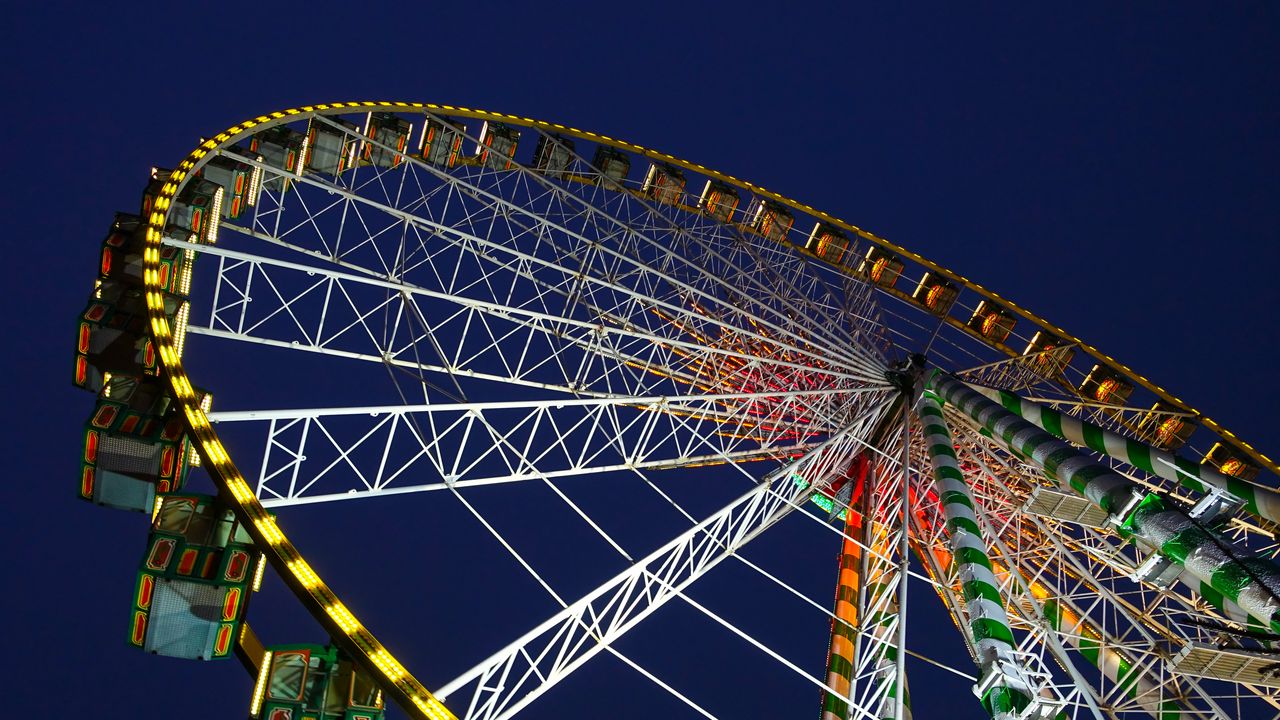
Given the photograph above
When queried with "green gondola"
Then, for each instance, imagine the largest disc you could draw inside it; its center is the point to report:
(388, 138)
(134, 445)
(112, 337)
(194, 580)
(122, 255)
(240, 182)
(331, 150)
(313, 682)
(497, 146)
(197, 210)
(553, 155)
(283, 149)
(442, 142)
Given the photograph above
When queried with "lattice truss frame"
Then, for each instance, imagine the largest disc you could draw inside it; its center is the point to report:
(648, 336)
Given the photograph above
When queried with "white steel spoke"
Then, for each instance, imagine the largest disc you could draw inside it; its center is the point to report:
(562, 643)
(482, 331)
(529, 439)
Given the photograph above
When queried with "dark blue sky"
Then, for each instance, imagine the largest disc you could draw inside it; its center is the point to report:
(1115, 170)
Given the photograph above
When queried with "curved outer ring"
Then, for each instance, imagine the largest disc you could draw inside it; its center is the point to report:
(315, 595)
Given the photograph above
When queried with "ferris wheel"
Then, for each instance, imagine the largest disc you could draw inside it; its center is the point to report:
(426, 306)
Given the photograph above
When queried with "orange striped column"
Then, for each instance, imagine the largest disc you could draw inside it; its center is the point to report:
(840, 655)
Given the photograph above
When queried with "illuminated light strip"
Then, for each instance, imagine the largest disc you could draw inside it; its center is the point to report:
(343, 617)
(432, 707)
(304, 573)
(180, 333)
(260, 687)
(388, 665)
(988, 627)
(269, 531)
(240, 490)
(259, 572)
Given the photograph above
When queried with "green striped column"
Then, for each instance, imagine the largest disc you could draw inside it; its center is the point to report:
(1251, 582)
(988, 623)
(1261, 501)
(1231, 610)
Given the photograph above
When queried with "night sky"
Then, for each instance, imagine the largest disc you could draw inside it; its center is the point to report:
(1114, 170)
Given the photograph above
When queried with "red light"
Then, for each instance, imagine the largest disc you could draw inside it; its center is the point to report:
(145, 587)
(139, 628)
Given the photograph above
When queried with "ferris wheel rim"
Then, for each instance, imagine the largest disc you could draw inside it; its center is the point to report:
(326, 608)
(261, 122)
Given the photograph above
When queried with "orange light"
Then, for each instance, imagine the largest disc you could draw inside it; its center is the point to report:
(237, 566)
(1233, 467)
(877, 269)
(1167, 430)
(933, 296)
(210, 562)
(1106, 389)
(166, 462)
(1044, 359)
(161, 554)
(105, 416)
(990, 324)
